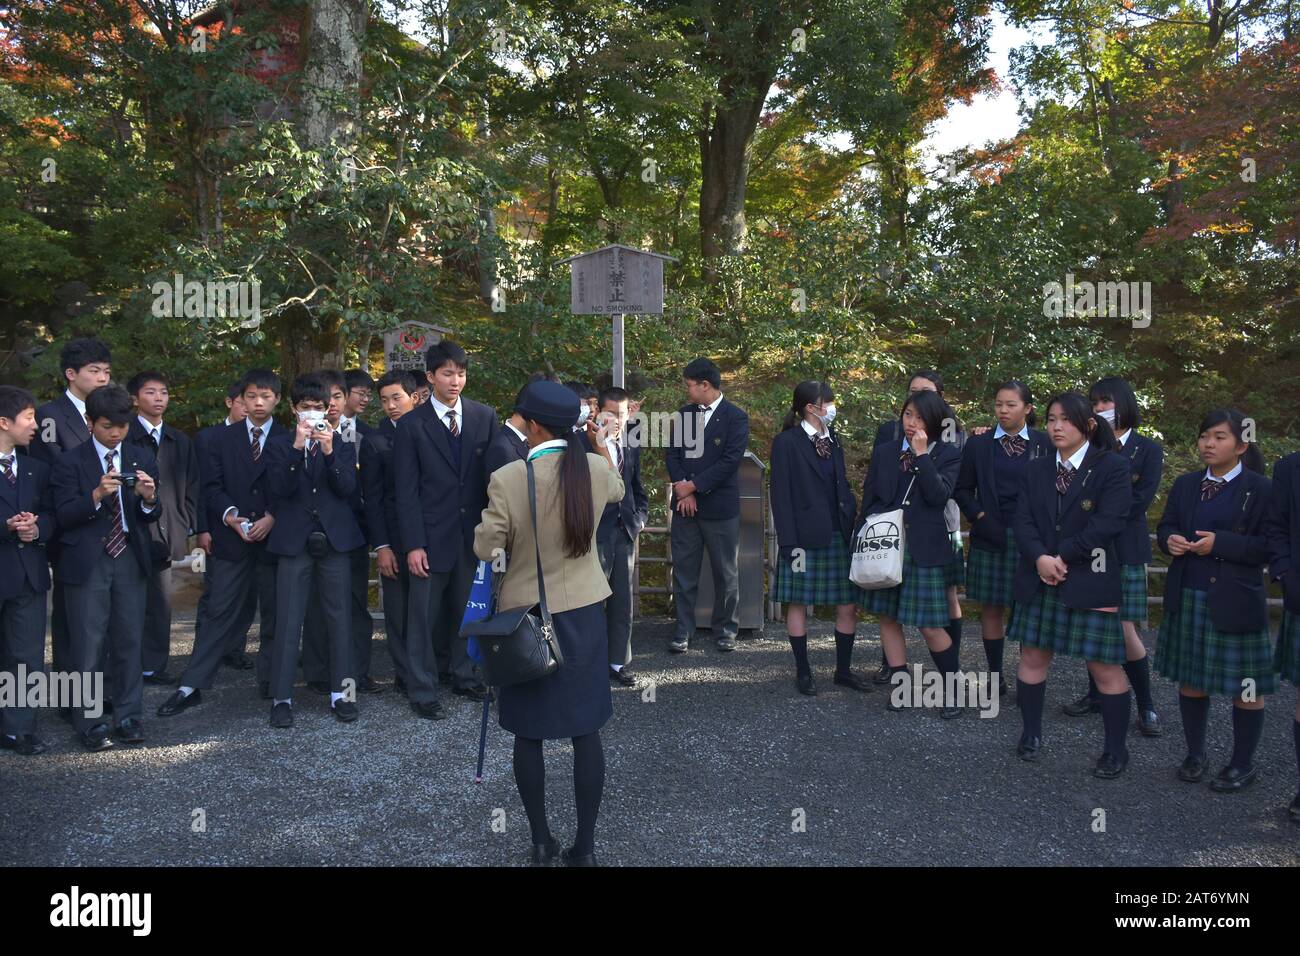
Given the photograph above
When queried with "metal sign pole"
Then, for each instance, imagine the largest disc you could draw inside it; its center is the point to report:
(618, 351)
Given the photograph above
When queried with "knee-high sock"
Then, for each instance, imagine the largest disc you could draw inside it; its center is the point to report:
(1196, 717)
(588, 785)
(1139, 675)
(799, 645)
(530, 778)
(1115, 711)
(1247, 728)
(954, 632)
(946, 663)
(843, 653)
(1295, 730)
(1030, 697)
(993, 651)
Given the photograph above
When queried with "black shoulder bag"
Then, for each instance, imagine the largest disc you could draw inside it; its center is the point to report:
(518, 644)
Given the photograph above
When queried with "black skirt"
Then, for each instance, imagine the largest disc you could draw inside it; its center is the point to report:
(575, 700)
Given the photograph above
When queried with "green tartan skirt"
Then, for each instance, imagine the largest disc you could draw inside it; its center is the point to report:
(990, 573)
(1046, 623)
(1133, 593)
(1287, 660)
(816, 576)
(954, 572)
(921, 600)
(1190, 650)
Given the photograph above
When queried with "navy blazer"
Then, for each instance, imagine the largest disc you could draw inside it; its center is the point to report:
(83, 527)
(25, 562)
(798, 493)
(203, 439)
(231, 479)
(311, 494)
(1146, 460)
(505, 448)
(439, 498)
(379, 487)
(178, 485)
(633, 510)
(1283, 529)
(936, 473)
(977, 489)
(1092, 515)
(715, 470)
(1238, 598)
(63, 424)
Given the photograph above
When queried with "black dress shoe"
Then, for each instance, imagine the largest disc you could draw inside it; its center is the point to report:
(345, 711)
(805, 684)
(368, 685)
(851, 681)
(159, 677)
(1029, 748)
(264, 689)
(726, 644)
(237, 660)
(623, 676)
(130, 731)
(881, 676)
(1149, 723)
(178, 702)
(680, 646)
(573, 859)
(399, 685)
(27, 745)
(475, 692)
(544, 853)
(1294, 810)
(1110, 766)
(1192, 770)
(1231, 779)
(96, 738)
(429, 710)
(282, 716)
(1082, 707)
(319, 686)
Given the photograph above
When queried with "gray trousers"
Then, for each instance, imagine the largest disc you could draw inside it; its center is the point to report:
(396, 596)
(157, 642)
(22, 641)
(690, 538)
(239, 640)
(106, 613)
(315, 662)
(618, 559)
(235, 589)
(435, 606)
(295, 575)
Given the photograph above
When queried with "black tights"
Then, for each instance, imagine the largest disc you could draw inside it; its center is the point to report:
(588, 784)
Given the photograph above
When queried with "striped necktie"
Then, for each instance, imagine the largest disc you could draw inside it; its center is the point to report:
(257, 442)
(451, 424)
(1210, 487)
(116, 542)
(1064, 475)
(1013, 445)
(7, 464)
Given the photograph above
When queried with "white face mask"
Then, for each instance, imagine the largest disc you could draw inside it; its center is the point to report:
(830, 414)
(1108, 414)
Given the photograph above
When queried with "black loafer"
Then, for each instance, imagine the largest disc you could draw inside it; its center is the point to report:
(399, 685)
(96, 738)
(178, 702)
(623, 676)
(237, 660)
(1082, 707)
(1192, 770)
(282, 716)
(882, 675)
(1149, 723)
(159, 677)
(679, 646)
(544, 853)
(475, 692)
(26, 745)
(368, 685)
(130, 731)
(805, 684)
(345, 711)
(726, 644)
(429, 710)
(573, 859)
(852, 681)
(1110, 766)
(1232, 779)
(1294, 810)
(1029, 748)
(319, 686)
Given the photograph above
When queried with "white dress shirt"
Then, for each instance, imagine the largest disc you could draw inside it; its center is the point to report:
(710, 409)
(1000, 431)
(101, 452)
(522, 437)
(1123, 439)
(152, 429)
(1076, 459)
(1226, 478)
(441, 411)
(79, 403)
(560, 443)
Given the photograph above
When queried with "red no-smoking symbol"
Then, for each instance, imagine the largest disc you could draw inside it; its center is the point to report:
(412, 341)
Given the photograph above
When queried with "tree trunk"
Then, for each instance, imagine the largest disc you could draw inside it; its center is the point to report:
(725, 134)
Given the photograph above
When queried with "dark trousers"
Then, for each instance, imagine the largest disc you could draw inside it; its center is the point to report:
(690, 538)
(106, 613)
(437, 603)
(618, 559)
(203, 613)
(295, 577)
(396, 598)
(315, 660)
(22, 641)
(235, 588)
(60, 639)
(157, 643)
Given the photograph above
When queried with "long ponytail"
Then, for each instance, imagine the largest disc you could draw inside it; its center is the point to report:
(1078, 411)
(575, 493)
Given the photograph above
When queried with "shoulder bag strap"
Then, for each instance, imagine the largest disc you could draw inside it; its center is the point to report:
(547, 626)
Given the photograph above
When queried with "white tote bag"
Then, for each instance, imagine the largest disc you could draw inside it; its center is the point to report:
(878, 549)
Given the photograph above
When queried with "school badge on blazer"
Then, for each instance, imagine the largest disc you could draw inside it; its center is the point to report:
(717, 441)
(1086, 504)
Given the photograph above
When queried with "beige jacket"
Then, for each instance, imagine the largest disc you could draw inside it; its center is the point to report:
(505, 524)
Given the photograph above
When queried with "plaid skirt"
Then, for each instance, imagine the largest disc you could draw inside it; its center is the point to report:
(1191, 651)
(1133, 593)
(1048, 624)
(989, 574)
(822, 577)
(921, 600)
(954, 572)
(1287, 660)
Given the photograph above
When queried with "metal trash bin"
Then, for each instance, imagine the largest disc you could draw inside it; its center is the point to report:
(753, 530)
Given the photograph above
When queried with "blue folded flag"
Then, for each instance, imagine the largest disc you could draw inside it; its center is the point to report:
(476, 608)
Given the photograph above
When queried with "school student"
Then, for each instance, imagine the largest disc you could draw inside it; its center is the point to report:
(1113, 400)
(706, 503)
(26, 527)
(509, 444)
(379, 491)
(178, 489)
(1214, 633)
(241, 514)
(360, 388)
(993, 468)
(918, 475)
(105, 497)
(312, 477)
(813, 508)
(1283, 531)
(1071, 509)
(438, 454)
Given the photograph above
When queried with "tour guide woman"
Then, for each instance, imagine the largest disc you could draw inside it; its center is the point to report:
(573, 488)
